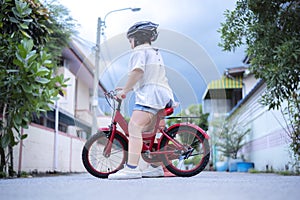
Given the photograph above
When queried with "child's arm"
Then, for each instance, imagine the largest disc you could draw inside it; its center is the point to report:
(133, 77)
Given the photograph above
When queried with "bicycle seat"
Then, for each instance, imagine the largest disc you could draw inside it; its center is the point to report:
(168, 111)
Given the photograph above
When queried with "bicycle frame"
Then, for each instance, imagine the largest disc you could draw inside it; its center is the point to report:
(118, 118)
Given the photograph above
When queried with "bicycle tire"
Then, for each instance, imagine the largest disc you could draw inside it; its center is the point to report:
(193, 164)
(99, 165)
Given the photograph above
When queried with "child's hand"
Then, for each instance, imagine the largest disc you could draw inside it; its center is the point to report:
(120, 93)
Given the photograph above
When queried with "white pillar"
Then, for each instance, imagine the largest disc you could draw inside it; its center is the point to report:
(55, 150)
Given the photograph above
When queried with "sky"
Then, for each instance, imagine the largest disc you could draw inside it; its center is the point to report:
(190, 25)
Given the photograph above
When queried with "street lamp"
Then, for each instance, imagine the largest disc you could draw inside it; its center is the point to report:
(97, 59)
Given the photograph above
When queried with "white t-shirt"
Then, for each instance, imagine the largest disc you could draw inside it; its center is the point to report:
(152, 89)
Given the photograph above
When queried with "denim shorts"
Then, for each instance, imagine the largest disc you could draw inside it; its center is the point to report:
(145, 108)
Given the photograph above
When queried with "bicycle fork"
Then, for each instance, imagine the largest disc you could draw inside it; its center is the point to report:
(111, 137)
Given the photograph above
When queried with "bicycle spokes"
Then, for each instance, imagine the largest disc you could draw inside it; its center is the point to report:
(193, 155)
(100, 161)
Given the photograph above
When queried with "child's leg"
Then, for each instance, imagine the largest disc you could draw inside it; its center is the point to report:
(138, 121)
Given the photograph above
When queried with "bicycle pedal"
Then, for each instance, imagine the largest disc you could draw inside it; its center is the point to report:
(148, 154)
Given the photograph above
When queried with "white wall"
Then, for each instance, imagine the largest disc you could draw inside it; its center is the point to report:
(83, 96)
(267, 144)
(37, 151)
(249, 82)
(104, 121)
(67, 102)
(216, 106)
(83, 111)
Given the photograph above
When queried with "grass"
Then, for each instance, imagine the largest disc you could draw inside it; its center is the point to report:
(33, 174)
(283, 173)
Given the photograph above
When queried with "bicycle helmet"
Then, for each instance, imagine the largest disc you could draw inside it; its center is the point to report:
(144, 31)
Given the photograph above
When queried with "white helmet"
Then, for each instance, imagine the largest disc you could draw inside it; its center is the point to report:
(145, 30)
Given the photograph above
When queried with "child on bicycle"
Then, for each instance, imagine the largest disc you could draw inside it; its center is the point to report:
(148, 80)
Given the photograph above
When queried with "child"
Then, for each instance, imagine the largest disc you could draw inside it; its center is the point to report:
(147, 79)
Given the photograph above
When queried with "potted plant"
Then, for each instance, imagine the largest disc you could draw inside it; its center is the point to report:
(244, 166)
(230, 139)
(221, 164)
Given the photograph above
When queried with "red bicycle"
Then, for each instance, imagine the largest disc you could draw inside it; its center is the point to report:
(183, 148)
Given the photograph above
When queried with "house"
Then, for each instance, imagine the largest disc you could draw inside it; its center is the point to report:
(267, 145)
(223, 94)
(237, 96)
(55, 139)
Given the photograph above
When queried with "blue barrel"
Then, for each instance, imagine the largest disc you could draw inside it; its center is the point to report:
(244, 166)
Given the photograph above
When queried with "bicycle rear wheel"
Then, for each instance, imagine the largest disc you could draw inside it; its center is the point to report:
(193, 159)
(98, 164)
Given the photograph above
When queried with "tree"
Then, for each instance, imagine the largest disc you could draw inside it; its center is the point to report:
(292, 119)
(271, 33)
(193, 114)
(230, 138)
(28, 83)
(63, 26)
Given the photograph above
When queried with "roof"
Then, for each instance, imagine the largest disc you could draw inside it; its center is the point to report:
(235, 71)
(81, 54)
(226, 83)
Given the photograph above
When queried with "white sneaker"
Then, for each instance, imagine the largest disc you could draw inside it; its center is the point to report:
(126, 173)
(152, 172)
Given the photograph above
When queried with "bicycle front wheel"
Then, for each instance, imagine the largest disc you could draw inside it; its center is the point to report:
(188, 161)
(94, 159)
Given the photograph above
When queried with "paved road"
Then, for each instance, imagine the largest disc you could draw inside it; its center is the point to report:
(206, 186)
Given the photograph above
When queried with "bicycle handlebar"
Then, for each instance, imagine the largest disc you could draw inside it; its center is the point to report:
(113, 94)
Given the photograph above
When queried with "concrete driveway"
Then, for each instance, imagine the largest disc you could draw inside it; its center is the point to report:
(206, 186)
